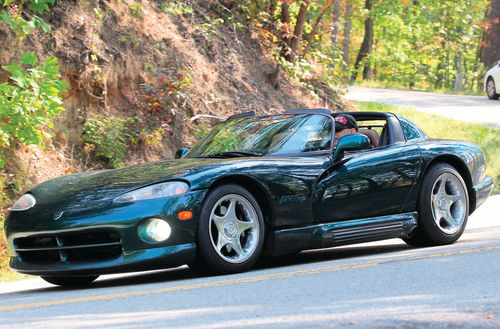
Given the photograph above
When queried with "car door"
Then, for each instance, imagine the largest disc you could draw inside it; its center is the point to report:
(371, 183)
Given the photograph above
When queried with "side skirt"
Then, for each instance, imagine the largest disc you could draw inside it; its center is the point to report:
(342, 233)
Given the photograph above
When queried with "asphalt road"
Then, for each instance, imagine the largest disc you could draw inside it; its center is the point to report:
(378, 285)
(472, 109)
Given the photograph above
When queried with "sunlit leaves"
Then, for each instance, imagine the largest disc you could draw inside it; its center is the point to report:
(29, 101)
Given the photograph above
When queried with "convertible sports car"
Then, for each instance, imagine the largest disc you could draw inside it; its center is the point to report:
(254, 185)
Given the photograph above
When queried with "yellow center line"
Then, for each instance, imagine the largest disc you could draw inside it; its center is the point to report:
(245, 280)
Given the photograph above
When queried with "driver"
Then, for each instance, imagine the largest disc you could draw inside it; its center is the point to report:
(345, 124)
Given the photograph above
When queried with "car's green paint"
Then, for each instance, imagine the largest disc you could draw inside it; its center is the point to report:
(306, 196)
(372, 183)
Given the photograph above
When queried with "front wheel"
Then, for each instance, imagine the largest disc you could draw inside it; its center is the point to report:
(491, 89)
(443, 207)
(230, 232)
(71, 281)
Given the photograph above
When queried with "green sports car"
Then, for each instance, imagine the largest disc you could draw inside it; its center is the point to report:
(254, 185)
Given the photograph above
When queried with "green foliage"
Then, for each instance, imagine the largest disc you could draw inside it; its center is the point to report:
(176, 8)
(418, 44)
(136, 10)
(107, 136)
(19, 24)
(440, 127)
(209, 30)
(30, 101)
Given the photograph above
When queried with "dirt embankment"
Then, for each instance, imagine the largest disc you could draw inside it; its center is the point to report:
(107, 49)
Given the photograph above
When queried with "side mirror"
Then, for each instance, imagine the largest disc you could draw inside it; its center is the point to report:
(353, 142)
(181, 152)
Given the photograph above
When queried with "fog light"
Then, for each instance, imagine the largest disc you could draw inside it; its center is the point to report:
(154, 230)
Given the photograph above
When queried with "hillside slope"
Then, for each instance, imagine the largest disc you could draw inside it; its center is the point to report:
(118, 57)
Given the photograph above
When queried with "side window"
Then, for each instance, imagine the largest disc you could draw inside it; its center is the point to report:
(410, 130)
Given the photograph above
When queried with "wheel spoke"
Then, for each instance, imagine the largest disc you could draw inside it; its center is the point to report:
(231, 209)
(454, 197)
(236, 245)
(221, 241)
(218, 221)
(442, 187)
(243, 226)
(449, 218)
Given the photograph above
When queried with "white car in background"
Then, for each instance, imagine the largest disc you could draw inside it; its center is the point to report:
(492, 82)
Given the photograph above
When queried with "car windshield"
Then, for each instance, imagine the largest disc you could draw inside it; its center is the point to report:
(274, 134)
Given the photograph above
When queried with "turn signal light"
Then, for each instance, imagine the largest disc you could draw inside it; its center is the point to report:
(185, 215)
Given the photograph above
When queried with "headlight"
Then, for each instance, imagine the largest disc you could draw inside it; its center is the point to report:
(24, 203)
(157, 191)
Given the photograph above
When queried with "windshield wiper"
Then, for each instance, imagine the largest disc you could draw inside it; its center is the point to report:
(233, 154)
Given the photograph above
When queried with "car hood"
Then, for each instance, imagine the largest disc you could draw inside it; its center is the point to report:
(84, 189)
(91, 189)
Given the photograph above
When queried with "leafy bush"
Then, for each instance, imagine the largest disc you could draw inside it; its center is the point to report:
(107, 136)
(165, 90)
(30, 101)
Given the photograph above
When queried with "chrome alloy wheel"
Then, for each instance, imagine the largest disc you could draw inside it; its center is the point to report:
(490, 88)
(234, 228)
(449, 204)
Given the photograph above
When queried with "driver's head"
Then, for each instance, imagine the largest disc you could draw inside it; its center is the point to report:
(345, 124)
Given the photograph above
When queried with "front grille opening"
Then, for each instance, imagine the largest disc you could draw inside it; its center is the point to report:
(68, 248)
(37, 242)
(40, 256)
(93, 254)
(89, 238)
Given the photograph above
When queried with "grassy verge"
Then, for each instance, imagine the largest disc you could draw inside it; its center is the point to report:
(397, 86)
(440, 127)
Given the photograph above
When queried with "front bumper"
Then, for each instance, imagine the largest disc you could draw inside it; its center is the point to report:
(129, 261)
(483, 190)
(76, 243)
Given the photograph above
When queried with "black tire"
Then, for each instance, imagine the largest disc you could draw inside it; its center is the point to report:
(71, 281)
(214, 260)
(491, 89)
(443, 207)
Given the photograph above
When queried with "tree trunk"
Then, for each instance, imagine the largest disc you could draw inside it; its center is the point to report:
(285, 47)
(297, 33)
(366, 46)
(460, 74)
(335, 24)
(491, 50)
(290, 44)
(346, 40)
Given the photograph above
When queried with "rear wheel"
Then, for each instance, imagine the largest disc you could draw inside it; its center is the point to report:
(230, 232)
(491, 89)
(71, 281)
(443, 207)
